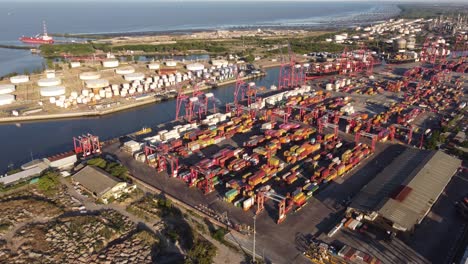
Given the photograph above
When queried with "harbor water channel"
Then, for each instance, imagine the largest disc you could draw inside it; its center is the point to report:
(32, 140)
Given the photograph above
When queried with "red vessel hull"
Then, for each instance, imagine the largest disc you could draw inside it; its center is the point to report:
(36, 40)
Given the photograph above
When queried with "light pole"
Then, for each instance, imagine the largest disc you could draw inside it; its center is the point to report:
(253, 251)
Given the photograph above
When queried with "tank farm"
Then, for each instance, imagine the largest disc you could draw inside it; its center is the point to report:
(283, 146)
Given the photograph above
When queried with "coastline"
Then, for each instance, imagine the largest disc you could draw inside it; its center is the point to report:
(98, 113)
(312, 26)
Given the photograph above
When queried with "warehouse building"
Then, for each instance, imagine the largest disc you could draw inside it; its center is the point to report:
(62, 160)
(400, 196)
(101, 184)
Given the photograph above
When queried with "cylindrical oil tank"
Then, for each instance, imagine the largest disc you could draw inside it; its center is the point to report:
(89, 76)
(111, 63)
(7, 88)
(195, 67)
(52, 91)
(136, 76)
(171, 63)
(153, 66)
(125, 70)
(19, 79)
(6, 99)
(75, 64)
(49, 82)
(96, 84)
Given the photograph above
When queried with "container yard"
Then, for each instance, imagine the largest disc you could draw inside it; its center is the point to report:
(289, 160)
(285, 155)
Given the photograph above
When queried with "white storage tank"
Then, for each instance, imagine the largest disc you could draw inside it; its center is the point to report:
(6, 99)
(171, 63)
(136, 76)
(52, 100)
(49, 82)
(7, 88)
(112, 63)
(195, 67)
(75, 64)
(153, 66)
(97, 84)
(125, 70)
(52, 91)
(50, 73)
(102, 93)
(19, 79)
(85, 92)
(219, 63)
(89, 76)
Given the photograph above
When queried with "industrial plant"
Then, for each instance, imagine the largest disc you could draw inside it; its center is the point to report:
(355, 156)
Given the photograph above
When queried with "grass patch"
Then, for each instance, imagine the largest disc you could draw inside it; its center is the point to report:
(49, 183)
(5, 226)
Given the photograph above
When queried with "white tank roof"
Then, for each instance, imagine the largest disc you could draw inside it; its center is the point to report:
(125, 70)
(153, 66)
(7, 88)
(195, 67)
(98, 83)
(110, 63)
(219, 62)
(75, 64)
(6, 99)
(171, 63)
(52, 91)
(49, 82)
(19, 79)
(90, 76)
(136, 76)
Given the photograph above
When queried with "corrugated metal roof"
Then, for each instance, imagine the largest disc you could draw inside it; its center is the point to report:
(426, 173)
(95, 180)
(374, 194)
(426, 185)
(26, 174)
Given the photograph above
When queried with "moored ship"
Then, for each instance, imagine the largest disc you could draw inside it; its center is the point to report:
(38, 39)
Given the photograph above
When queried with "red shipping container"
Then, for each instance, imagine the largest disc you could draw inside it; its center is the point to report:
(325, 173)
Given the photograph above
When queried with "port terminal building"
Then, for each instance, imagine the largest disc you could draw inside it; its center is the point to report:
(402, 194)
(101, 184)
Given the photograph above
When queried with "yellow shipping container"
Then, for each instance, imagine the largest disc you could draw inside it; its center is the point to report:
(298, 197)
(273, 161)
(316, 157)
(329, 136)
(300, 150)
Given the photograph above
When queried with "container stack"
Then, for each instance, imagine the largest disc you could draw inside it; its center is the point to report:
(131, 147)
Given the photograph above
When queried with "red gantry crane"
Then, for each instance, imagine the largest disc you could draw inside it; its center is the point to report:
(291, 74)
(393, 131)
(322, 122)
(373, 137)
(87, 145)
(281, 200)
(163, 159)
(195, 106)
